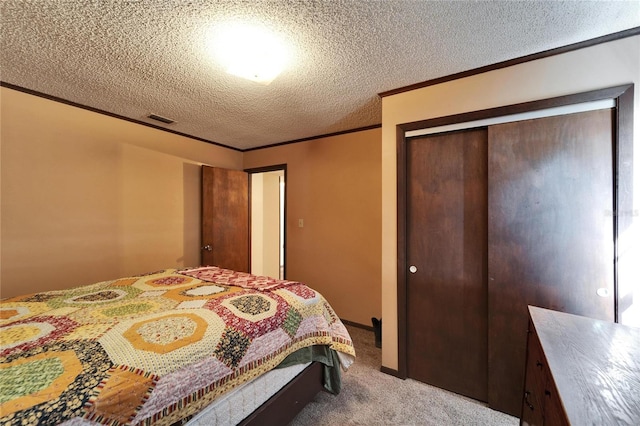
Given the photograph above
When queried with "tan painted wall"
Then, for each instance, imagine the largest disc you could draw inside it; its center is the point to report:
(257, 224)
(333, 184)
(265, 223)
(596, 67)
(271, 231)
(86, 197)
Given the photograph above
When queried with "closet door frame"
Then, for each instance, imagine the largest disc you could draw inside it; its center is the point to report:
(622, 179)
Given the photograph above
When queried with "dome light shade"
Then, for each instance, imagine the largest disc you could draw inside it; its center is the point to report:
(250, 52)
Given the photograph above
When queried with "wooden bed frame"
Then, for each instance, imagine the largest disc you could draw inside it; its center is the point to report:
(282, 407)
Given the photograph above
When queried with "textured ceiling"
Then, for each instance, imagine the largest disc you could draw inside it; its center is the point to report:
(137, 57)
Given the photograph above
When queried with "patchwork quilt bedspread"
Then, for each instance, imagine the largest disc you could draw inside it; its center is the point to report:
(152, 349)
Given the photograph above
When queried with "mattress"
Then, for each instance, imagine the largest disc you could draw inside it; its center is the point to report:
(235, 406)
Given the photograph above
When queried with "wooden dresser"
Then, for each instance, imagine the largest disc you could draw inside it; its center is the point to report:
(580, 371)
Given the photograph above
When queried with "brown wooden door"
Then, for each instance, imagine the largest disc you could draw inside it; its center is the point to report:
(446, 242)
(225, 218)
(550, 233)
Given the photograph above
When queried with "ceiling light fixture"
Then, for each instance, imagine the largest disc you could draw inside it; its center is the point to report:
(249, 51)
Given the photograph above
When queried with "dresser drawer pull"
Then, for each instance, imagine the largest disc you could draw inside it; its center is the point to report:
(539, 364)
(526, 400)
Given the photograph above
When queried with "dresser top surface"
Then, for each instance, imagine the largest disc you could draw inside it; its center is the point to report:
(595, 366)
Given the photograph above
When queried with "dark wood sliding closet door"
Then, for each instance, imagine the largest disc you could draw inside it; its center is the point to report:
(446, 243)
(550, 233)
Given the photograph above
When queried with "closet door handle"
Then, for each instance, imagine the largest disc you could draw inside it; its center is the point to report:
(413, 269)
(207, 247)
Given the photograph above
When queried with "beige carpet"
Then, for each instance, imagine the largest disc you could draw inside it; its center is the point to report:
(370, 397)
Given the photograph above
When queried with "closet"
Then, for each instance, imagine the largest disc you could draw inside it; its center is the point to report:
(447, 245)
(497, 218)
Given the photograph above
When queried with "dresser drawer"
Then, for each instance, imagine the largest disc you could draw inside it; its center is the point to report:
(536, 377)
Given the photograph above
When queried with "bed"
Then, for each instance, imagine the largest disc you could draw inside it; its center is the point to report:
(169, 347)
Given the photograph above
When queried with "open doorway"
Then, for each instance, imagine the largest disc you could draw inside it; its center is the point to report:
(268, 208)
